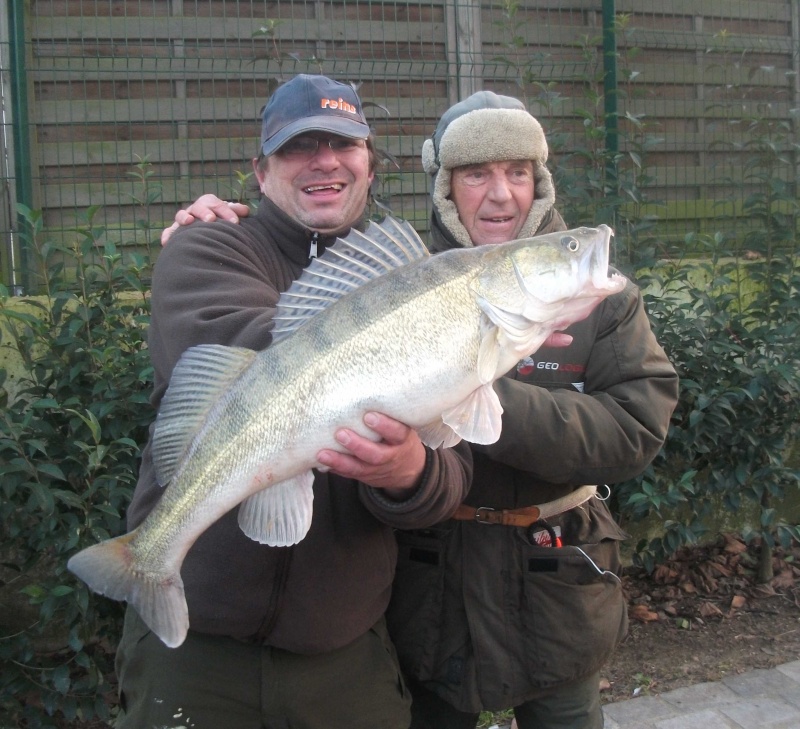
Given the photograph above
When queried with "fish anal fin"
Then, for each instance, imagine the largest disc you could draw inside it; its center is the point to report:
(159, 600)
(478, 418)
(202, 374)
(279, 515)
(438, 434)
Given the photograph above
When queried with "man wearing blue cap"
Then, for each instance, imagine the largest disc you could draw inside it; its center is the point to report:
(497, 607)
(292, 636)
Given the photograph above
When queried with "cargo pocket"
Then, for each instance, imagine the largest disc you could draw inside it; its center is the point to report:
(414, 616)
(574, 610)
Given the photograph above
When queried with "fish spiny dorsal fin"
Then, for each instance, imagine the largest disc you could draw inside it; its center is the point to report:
(348, 264)
(202, 373)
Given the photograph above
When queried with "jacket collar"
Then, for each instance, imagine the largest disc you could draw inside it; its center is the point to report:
(292, 238)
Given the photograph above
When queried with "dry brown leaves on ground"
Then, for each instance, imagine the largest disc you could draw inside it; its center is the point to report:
(701, 616)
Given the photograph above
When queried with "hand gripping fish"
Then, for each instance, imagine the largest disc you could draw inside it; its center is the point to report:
(378, 325)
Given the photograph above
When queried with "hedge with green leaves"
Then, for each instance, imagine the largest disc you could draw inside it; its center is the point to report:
(70, 435)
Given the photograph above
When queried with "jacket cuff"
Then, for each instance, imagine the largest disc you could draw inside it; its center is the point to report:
(415, 494)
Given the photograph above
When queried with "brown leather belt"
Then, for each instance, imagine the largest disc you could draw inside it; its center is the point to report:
(527, 515)
(508, 517)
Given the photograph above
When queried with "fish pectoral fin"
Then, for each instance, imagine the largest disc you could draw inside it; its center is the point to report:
(109, 569)
(201, 375)
(438, 434)
(478, 419)
(516, 330)
(279, 515)
(489, 351)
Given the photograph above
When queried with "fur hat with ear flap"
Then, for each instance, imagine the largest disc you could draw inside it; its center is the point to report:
(486, 128)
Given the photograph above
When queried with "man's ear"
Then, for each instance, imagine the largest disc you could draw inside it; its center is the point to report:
(258, 170)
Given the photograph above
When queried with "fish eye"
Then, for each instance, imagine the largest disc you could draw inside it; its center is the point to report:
(570, 243)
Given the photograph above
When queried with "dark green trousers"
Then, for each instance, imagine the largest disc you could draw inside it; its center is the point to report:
(214, 682)
(573, 706)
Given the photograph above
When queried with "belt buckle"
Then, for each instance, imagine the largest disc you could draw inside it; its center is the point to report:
(479, 517)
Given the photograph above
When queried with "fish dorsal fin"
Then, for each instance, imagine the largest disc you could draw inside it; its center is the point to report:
(345, 266)
(201, 374)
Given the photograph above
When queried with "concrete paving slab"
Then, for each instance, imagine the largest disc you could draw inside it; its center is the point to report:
(639, 711)
(792, 670)
(700, 696)
(761, 682)
(759, 699)
(707, 719)
(763, 712)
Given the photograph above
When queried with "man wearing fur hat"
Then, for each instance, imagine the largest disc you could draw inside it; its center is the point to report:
(489, 615)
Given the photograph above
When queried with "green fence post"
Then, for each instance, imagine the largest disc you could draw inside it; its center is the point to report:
(20, 129)
(610, 90)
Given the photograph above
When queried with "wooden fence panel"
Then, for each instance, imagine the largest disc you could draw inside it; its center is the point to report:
(181, 84)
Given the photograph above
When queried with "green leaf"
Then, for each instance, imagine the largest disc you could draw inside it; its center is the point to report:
(34, 591)
(106, 509)
(61, 679)
(44, 403)
(52, 470)
(69, 498)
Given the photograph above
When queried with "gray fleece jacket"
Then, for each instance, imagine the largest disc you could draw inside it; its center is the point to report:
(220, 283)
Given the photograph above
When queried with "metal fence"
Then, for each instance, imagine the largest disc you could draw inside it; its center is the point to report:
(138, 106)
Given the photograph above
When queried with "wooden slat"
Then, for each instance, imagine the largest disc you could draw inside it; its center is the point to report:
(162, 29)
(739, 9)
(205, 30)
(63, 69)
(546, 36)
(186, 150)
(167, 111)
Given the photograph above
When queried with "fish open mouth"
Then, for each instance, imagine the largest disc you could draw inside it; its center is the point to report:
(601, 278)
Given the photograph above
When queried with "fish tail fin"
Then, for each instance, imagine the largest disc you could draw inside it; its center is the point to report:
(108, 569)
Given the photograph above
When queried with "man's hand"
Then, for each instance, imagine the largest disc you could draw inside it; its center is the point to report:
(207, 209)
(395, 463)
(558, 339)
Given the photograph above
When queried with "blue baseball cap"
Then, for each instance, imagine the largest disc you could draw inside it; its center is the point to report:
(310, 103)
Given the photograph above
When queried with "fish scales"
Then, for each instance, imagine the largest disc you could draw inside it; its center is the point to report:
(421, 343)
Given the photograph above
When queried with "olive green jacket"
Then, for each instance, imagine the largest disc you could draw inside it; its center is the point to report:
(482, 614)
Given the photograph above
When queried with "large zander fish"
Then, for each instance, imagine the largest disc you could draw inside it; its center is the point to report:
(375, 324)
